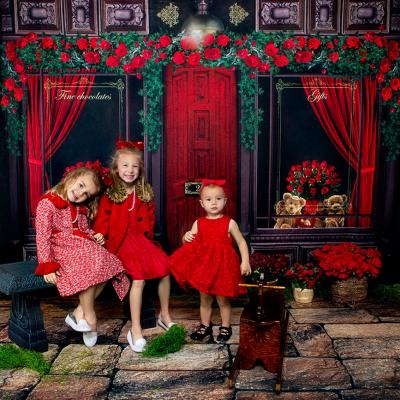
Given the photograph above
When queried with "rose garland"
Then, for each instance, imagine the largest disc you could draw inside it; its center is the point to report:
(258, 52)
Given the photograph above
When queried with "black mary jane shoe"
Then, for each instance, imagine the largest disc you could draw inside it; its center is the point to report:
(224, 335)
(202, 332)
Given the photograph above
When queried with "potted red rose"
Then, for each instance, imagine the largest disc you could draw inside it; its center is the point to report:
(267, 267)
(349, 265)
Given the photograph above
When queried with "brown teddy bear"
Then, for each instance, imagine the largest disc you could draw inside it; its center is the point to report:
(290, 205)
(335, 205)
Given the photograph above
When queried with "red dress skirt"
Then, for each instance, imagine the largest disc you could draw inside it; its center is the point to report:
(142, 258)
(209, 263)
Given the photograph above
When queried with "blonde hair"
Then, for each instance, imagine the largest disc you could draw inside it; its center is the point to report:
(93, 201)
(212, 186)
(143, 189)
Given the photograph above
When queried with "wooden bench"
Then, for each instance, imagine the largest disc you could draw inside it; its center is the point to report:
(25, 325)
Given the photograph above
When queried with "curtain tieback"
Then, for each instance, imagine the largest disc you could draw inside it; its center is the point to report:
(368, 169)
(35, 162)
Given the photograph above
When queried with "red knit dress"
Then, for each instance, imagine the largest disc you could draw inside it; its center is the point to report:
(141, 257)
(209, 263)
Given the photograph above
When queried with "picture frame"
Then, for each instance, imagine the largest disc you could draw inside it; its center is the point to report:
(324, 16)
(80, 16)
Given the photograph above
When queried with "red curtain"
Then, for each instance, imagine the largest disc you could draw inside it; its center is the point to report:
(63, 101)
(339, 115)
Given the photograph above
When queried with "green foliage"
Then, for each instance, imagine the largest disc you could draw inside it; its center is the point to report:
(388, 292)
(169, 342)
(12, 356)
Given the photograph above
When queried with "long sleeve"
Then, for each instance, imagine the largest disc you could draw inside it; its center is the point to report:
(152, 219)
(102, 221)
(44, 221)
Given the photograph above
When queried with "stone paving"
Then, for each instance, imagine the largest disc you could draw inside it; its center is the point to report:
(349, 353)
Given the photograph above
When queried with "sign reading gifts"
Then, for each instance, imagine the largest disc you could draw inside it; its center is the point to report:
(317, 95)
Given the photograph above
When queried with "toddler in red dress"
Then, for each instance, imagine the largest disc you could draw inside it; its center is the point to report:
(208, 262)
(67, 249)
(126, 220)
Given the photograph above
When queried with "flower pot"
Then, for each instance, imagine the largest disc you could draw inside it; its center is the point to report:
(351, 290)
(303, 295)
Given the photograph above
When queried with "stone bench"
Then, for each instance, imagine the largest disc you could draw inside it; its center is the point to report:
(25, 325)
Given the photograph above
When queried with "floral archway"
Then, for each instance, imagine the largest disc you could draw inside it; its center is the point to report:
(268, 53)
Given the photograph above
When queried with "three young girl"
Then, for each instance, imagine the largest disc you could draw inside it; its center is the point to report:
(68, 254)
(126, 221)
(208, 261)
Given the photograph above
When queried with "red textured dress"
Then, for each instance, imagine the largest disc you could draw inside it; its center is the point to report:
(142, 258)
(209, 263)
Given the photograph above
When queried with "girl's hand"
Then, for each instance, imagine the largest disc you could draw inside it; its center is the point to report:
(99, 238)
(245, 268)
(51, 278)
(189, 236)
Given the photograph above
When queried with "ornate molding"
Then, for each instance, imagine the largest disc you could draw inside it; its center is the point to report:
(81, 16)
(237, 14)
(169, 15)
(323, 16)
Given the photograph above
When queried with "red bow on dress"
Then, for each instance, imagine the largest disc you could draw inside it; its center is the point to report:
(122, 144)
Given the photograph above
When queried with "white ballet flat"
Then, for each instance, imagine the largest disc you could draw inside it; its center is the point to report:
(138, 345)
(90, 338)
(163, 325)
(80, 326)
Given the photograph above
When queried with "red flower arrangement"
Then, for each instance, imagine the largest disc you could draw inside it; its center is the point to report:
(313, 180)
(303, 276)
(271, 265)
(345, 260)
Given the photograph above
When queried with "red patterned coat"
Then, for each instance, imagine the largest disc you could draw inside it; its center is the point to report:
(113, 219)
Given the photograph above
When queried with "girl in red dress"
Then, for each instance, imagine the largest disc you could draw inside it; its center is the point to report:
(126, 220)
(68, 253)
(208, 262)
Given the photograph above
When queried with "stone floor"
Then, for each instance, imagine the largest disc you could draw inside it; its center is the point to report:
(350, 353)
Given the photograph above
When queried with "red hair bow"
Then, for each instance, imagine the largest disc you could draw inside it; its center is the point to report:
(122, 144)
(218, 182)
(103, 172)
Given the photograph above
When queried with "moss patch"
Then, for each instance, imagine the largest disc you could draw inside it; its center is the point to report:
(388, 292)
(170, 342)
(12, 356)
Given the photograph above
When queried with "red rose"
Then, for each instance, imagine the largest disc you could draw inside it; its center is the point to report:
(330, 45)
(281, 61)
(65, 57)
(9, 83)
(369, 36)
(128, 68)
(384, 66)
(242, 53)
(393, 55)
(264, 67)
(324, 190)
(138, 61)
(22, 42)
(207, 40)
(147, 54)
(313, 43)
(380, 41)
(31, 36)
(112, 61)
(313, 191)
(238, 42)
(179, 57)
(93, 42)
(252, 75)
(10, 51)
(82, 43)
(303, 56)
(386, 93)
(194, 59)
(189, 43)
(222, 40)
(271, 49)
(289, 188)
(288, 44)
(121, 50)
(334, 56)
(301, 41)
(19, 66)
(162, 55)
(47, 43)
(23, 77)
(92, 57)
(379, 77)
(353, 42)
(68, 46)
(5, 101)
(105, 44)
(395, 83)
(252, 61)
(165, 40)
(299, 189)
(149, 43)
(18, 93)
(212, 53)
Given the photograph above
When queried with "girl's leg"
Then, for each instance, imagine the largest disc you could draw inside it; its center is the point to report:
(225, 310)
(164, 288)
(135, 302)
(78, 312)
(86, 301)
(206, 301)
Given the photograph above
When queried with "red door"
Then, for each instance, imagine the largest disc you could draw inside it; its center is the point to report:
(201, 140)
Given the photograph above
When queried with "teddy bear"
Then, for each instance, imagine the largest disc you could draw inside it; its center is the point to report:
(290, 205)
(335, 205)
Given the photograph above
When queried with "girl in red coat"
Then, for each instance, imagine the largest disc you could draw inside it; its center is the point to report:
(208, 262)
(67, 251)
(126, 220)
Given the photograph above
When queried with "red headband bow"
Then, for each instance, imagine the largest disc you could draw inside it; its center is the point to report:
(103, 172)
(206, 182)
(122, 144)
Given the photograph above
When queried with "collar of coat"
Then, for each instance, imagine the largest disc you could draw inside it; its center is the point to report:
(118, 194)
(60, 203)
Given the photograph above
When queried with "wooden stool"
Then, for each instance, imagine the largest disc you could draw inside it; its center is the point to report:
(263, 327)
